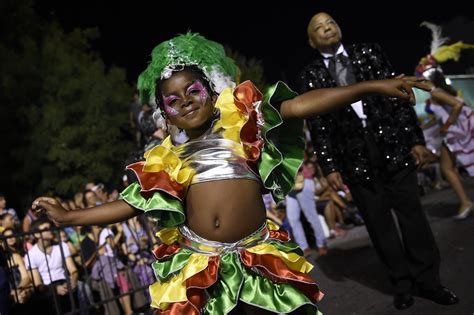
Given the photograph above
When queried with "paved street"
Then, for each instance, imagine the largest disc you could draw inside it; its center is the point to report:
(354, 282)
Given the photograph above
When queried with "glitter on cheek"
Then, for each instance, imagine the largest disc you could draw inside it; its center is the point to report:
(171, 111)
(198, 86)
(168, 109)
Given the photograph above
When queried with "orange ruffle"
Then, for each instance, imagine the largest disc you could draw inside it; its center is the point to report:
(150, 182)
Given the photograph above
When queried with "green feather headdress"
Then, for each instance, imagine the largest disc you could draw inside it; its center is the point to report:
(186, 50)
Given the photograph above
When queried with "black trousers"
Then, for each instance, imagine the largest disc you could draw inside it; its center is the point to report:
(410, 257)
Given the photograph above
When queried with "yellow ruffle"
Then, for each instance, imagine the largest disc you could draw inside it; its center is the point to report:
(231, 120)
(272, 226)
(169, 235)
(163, 158)
(162, 294)
(292, 260)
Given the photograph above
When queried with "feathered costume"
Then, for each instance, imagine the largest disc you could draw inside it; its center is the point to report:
(199, 276)
(459, 137)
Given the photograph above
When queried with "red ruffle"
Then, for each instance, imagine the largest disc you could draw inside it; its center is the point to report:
(164, 251)
(150, 182)
(245, 96)
(195, 291)
(275, 269)
(280, 235)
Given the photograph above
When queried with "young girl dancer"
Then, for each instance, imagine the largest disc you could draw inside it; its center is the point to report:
(219, 253)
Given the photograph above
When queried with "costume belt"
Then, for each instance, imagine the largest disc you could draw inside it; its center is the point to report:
(191, 240)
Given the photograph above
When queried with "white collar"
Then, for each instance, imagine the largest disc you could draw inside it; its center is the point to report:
(339, 50)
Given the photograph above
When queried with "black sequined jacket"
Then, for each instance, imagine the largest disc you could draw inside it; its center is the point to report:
(338, 137)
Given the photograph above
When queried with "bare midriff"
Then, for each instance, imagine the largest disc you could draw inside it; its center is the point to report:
(225, 210)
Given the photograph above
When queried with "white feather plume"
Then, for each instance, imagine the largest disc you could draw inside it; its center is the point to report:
(437, 40)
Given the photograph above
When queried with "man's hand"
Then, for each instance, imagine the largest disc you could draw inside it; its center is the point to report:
(335, 181)
(422, 155)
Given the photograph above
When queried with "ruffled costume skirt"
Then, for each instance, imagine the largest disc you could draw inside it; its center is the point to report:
(198, 276)
(459, 137)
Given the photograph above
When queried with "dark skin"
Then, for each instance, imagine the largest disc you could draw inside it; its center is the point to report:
(213, 208)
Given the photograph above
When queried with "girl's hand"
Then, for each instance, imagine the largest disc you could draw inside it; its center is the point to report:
(51, 207)
(401, 87)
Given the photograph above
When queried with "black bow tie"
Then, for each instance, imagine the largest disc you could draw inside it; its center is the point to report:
(339, 57)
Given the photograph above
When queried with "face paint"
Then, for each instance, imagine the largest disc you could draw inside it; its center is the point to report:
(167, 100)
(197, 86)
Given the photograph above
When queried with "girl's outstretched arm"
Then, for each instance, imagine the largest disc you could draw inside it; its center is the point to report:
(111, 212)
(321, 101)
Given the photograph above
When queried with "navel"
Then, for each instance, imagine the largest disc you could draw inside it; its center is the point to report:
(216, 223)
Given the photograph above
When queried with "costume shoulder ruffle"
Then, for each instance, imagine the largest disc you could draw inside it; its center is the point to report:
(284, 143)
(274, 147)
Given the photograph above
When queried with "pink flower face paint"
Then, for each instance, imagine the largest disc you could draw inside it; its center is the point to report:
(167, 101)
(195, 87)
(198, 87)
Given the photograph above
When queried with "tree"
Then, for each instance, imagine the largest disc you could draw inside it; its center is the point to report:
(71, 109)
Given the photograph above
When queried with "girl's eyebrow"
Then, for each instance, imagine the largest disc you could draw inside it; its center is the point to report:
(196, 85)
(187, 85)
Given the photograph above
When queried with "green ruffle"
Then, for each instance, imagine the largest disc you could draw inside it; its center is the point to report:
(283, 150)
(287, 247)
(224, 294)
(238, 283)
(167, 210)
(276, 297)
(164, 270)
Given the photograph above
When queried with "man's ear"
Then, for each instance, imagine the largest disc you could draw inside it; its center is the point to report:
(214, 98)
(311, 43)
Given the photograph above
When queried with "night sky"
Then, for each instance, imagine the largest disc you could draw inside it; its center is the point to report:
(275, 34)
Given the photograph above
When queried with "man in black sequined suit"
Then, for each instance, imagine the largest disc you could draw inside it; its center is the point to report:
(374, 146)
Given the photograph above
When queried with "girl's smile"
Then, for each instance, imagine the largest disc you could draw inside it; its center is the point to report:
(187, 103)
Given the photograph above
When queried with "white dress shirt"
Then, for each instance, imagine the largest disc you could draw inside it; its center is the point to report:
(357, 106)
